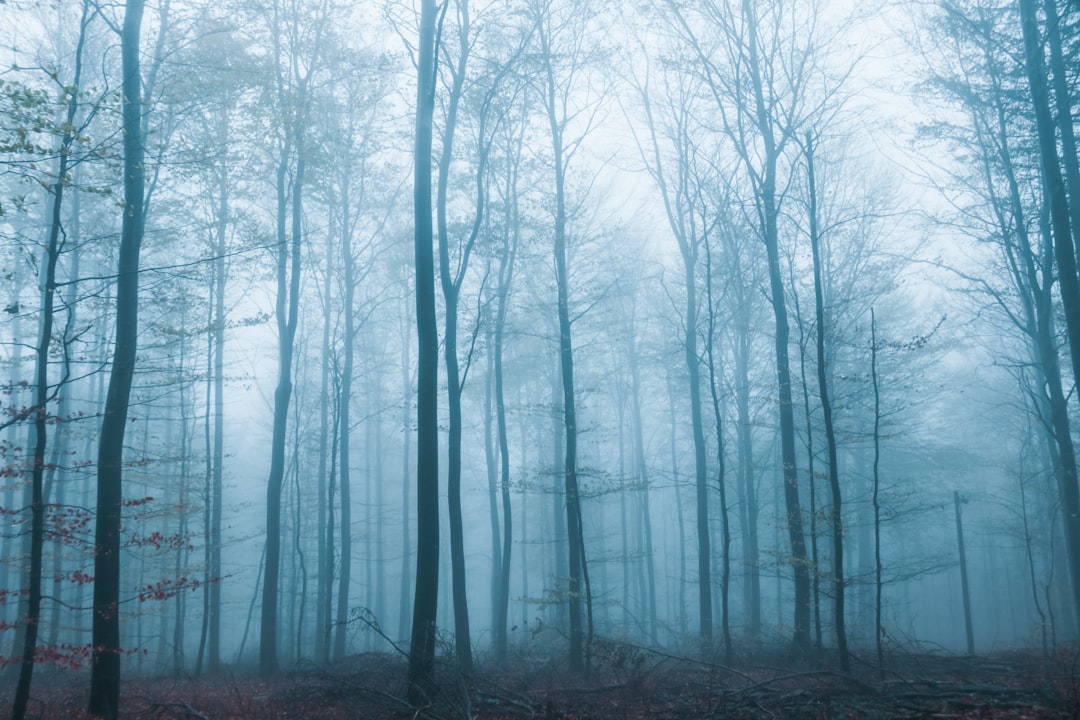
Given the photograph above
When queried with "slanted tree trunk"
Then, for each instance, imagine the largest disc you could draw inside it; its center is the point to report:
(105, 660)
(421, 672)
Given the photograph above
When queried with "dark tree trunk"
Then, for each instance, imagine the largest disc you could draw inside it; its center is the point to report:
(421, 673)
(835, 515)
(701, 485)
(105, 662)
(451, 288)
(287, 313)
(39, 414)
(1063, 249)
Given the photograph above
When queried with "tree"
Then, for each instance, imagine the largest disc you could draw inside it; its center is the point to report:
(292, 84)
(421, 673)
(105, 664)
(679, 189)
(763, 103)
(562, 43)
(451, 280)
(39, 413)
(510, 236)
(1064, 248)
(835, 515)
(1004, 205)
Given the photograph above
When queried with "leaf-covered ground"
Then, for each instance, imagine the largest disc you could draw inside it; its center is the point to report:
(628, 683)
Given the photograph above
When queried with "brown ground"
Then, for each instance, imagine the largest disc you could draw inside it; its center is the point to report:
(628, 683)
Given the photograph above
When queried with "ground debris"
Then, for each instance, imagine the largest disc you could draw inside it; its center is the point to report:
(655, 686)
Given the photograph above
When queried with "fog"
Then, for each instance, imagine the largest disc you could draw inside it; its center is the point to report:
(721, 294)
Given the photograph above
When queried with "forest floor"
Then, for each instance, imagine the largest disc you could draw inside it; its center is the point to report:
(628, 683)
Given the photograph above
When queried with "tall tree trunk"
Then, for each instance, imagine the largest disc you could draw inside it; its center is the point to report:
(876, 497)
(324, 590)
(748, 511)
(693, 366)
(105, 661)
(492, 467)
(811, 475)
(721, 475)
(678, 205)
(1063, 249)
(505, 276)
(220, 268)
(641, 474)
(348, 341)
(835, 514)
(421, 672)
(39, 413)
(404, 593)
(287, 314)
(575, 539)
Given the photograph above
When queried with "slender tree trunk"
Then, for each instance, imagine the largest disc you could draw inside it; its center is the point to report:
(105, 662)
(324, 590)
(677, 482)
(406, 478)
(331, 527)
(747, 486)
(215, 578)
(558, 496)
(506, 274)
(693, 366)
(287, 312)
(721, 475)
(63, 442)
(492, 467)
(39, 416)
(963, 573)
(811, 482)
(641, 473)
(421, 673)
(348, 341)
(879, 629)
(835, 515)
(576, 547)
